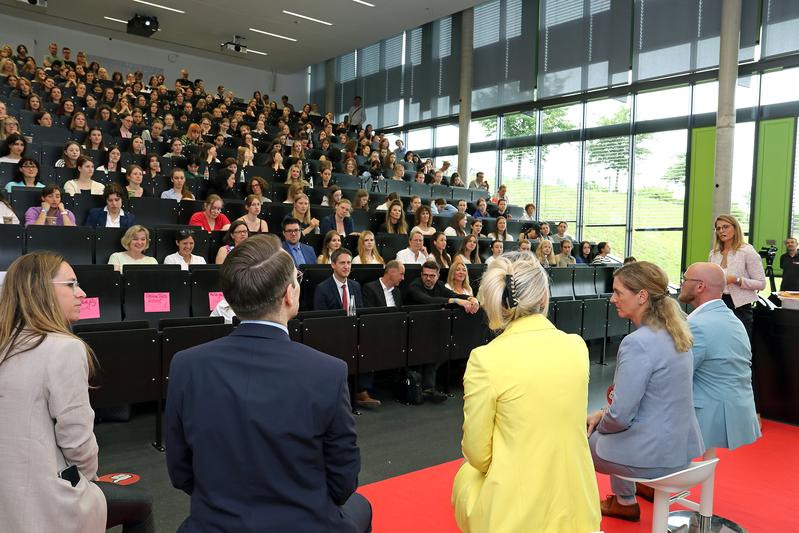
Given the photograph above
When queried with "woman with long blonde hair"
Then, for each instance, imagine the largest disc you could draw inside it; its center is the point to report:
(458, 278)
(302, 212)
(546, 254)
(367, 250)
(47, 421)
(649, 429)
(330, 244)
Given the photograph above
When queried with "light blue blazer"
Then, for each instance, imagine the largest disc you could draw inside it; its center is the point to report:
(725, 405)
(651, 422)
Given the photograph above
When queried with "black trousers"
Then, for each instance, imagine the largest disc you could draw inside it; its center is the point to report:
(358, 511)
(128, 506)
(744, 314)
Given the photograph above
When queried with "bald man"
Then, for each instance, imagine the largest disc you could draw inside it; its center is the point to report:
(723, 398)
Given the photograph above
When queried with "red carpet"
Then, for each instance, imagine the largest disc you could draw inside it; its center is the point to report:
(756, 486)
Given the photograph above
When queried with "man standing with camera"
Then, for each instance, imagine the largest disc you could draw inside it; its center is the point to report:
(789, 263)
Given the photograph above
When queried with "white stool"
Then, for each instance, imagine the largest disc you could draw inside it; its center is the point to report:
(700, 518)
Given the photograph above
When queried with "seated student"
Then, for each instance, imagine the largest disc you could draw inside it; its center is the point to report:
(13, 148)
(442, 208)
(84, 181)
(384, 291)
(469, 252)
(477, 228)
(546, 254)
(497, 248)
(302, 212)
(649, 429)
(415, 253)
(439, 253)
(457, 227)
(529, 213)
(184, 256)
(224, 185)
(330, 244)
(481, 209)
(427, 289)
(302, 254)
(112, 215)
(7, 215)
(502, 194)
(524, 245)
(502, 210)
(604, 257)
(51, 212)
(561, 234)
(253, 206)
(584, 253)
(340, 221)
(135, 242)
(27, 175)
(544, 231)
(179, 190)
(236, 234)
(392, 197)
(414, 204)
(395, 219)
(113, 158)
(458, 279)
(70, 156)
(211, 218)
(367, 250)
(333, 196)
(135, 177)
(565, 257)
(423, 218)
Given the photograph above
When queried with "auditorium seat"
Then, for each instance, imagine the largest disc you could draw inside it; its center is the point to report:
(336, 336)
(429, 334)
(158, 292)
(103, 284)
(12, 242)
(163, 241)
(153, 211)
(382, 340)
(400, 187)
(205, 289)
(75, 244)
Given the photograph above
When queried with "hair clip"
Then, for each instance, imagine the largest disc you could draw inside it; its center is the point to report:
(508, 297)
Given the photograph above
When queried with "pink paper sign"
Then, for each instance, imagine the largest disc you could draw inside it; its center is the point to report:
(214, 298)
(156, 302)
(90, 308)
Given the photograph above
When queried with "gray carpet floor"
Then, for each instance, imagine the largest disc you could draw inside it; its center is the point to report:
(394, 439)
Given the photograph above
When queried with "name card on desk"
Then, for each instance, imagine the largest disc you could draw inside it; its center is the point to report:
(214, 298)
(90, 308)
(156, 302)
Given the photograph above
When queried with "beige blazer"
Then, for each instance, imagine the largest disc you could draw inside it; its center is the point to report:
(47, 424)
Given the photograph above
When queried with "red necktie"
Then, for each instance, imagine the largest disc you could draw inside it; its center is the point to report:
(345, 301)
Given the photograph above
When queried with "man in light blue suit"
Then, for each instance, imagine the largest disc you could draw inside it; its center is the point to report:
(723, 399)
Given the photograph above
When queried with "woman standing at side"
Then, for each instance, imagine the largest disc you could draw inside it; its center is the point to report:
(525, 473)
(742, 267)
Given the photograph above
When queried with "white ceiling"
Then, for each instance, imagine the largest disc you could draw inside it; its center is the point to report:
(207, 23)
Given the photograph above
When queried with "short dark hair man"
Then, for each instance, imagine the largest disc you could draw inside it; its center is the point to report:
(428, 289)
(384, 291)
(302, 254)
(789, 263)
(227, 445)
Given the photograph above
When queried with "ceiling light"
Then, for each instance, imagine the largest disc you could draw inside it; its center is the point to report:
(112, 19)
(364, 3)
(274, 35)
(159, 6)
(251, 51)
(307, 18)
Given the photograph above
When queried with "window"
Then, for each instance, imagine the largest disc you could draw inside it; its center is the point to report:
(518, 125)
(485, 162)
(742, 169)
(447, 135)
(780, 86)
(663, 104)
(564, 118)
(560, 175)
(607, 163)
(420, 139)
(483, 130)
(607, 112)
(518, 173)
(706, 97)
(658, 199)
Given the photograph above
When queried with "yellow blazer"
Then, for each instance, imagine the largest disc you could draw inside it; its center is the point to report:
(528, 466)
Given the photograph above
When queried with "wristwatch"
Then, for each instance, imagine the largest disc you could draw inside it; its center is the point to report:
(738, 281)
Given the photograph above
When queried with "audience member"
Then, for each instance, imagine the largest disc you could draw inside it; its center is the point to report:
(529, 213)
(479, 182)
(340, 221)
(458, 279)
(309, 479)
(135, 178)
(392, 196)
(649, 429)
(235, 235)
(502, 386)
(546, 254)
(469, 252)
(501, 233)
(524, 246)
(184, 239)
(438, 253)
(585, 254)
(477, 228)
(423, 218)
(629, 259)
(254, 224)
(789, 264)
(544, 231)
(722, 395)
(501, 194)
(112, 215)
(51, 212)
(70, 155)
(742, 267)
(135, 241)
(497, 249)
(211, 218)
(502, 210)
(395, 219)
(84, 181)
(27, 175)
(442, 208)
(302, 254)
(13, 149)
(415, 253)
(565, 257)
(179, 190)
(302, 212)
(384, 291)
(457, 227)
(330, 244)
(47, 421)
(604, 257)
(367, 250)
(561, 233)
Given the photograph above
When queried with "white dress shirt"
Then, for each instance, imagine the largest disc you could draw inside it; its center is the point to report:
(408, 257)
(389, 294)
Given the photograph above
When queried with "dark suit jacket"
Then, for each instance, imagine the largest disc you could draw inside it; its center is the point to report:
(260, 434)
(307, 252)
(328, 296)
(373, 295)
(97, 217)
(329, 222)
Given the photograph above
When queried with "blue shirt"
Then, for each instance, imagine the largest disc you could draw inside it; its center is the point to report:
(296, 254)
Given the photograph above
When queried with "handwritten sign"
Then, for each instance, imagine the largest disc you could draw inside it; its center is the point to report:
(214, 298)
(156, 302)
(90, 308)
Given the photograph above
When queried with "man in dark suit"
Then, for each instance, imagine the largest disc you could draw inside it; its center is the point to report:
(112, 215)
(384, 291)
(339, 292)
(233, 402)
(302, 254)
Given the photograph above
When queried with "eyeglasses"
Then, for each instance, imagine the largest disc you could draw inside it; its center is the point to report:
(299, 277)
(72, 283)
(683, 279)
(723, 228)
(291, 230)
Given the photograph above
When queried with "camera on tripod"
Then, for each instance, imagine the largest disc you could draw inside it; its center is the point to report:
(768, 253)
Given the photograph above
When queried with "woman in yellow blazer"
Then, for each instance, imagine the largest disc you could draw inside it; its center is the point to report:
(528, 466)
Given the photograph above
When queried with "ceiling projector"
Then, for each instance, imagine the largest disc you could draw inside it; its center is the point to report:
(235, 45)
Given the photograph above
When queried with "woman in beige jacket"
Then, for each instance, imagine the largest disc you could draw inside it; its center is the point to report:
(48, 452)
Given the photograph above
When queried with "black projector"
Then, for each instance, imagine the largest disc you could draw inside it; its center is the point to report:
(142, 25)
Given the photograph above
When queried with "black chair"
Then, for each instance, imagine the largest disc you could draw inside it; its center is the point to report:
(459, 193)
(360, 220)
(603, 280)
(157, 293)
(154, 211)
(363, 274)
(429, 336)
(23, 198)
(419, 189)
(103, 288)
(186, 208)
(75, 243)
(584, 286)
(164, 239)
(205, 289)
(164, 323)
(12, 242)
(106, 242)
(313, 275)
(468, 332)
(400, 187)
(382, 341)
(391, 243)
(81, 204)
(176, 338)
(561, 284)
(336, 336)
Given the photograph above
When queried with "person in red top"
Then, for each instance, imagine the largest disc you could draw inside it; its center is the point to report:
(211, 218)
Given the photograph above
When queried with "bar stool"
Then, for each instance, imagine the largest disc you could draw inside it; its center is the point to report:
(700, 518)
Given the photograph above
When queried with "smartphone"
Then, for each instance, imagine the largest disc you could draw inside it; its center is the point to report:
(71, 474)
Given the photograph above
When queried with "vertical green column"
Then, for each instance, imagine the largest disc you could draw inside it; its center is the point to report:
(775, 152)
(699, 220)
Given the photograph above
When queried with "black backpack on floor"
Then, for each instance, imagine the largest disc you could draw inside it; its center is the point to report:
(408, 387)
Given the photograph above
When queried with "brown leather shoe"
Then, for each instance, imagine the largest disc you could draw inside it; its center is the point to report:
(644, 491)
(367, 402)
(612, 508)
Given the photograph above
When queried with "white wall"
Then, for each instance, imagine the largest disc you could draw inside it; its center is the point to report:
(242, 80)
